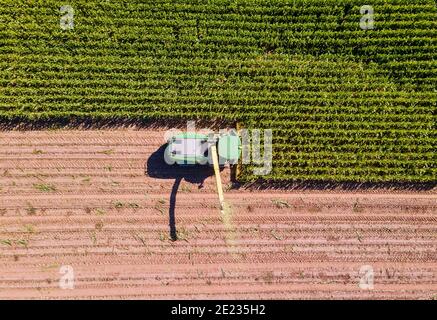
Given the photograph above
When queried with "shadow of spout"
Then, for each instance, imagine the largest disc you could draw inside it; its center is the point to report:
(155, 167)
(171, 211)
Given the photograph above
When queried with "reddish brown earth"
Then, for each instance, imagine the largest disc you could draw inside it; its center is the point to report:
(86, 199)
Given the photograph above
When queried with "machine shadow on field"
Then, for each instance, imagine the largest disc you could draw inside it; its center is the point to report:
(157, 168)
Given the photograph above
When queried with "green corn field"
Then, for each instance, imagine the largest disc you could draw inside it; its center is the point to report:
(344, 104)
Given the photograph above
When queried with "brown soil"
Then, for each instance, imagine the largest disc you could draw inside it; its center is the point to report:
(99, 201)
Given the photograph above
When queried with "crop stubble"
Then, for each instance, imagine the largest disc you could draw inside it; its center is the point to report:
(108, 219)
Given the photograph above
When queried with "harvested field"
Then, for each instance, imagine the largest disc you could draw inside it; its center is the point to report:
(101, 202)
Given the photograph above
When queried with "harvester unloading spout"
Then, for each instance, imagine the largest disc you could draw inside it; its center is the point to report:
(218, 179)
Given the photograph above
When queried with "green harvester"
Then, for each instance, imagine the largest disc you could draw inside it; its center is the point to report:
(193, 148)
